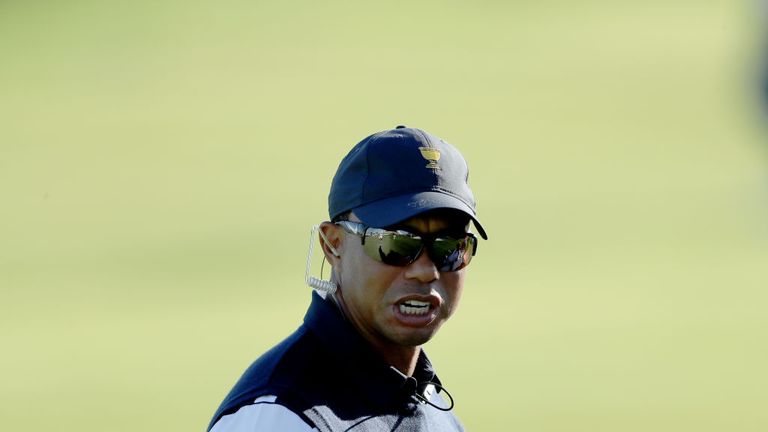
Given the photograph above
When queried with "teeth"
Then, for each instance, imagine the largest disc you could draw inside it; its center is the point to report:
(414, 307)
(416, 303)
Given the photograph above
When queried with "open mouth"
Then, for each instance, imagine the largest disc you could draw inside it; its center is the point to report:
(415, 307)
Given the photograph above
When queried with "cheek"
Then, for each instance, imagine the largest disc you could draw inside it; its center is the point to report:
(379, 279)
(365, 281)
(453, 285)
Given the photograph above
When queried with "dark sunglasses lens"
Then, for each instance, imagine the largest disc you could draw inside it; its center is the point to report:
(393, 249)
(452, 254)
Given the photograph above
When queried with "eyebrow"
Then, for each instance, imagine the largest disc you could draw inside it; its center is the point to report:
(448, 230)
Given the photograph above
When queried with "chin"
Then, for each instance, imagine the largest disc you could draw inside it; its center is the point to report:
(414, 338)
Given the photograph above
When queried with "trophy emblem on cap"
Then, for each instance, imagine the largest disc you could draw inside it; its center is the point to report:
(432, 155)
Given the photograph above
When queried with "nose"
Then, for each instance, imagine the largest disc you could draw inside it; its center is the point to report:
(422, 270)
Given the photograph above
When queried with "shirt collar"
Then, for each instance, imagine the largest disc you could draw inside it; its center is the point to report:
(383, 384)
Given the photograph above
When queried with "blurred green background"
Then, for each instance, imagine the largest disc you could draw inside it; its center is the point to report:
(161, 164)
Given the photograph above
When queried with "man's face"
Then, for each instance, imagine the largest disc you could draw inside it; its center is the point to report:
(372, 293)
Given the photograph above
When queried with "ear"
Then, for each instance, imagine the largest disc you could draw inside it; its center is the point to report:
(330, 236)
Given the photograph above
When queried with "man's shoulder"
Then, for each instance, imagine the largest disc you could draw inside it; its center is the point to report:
(286, 354)
(281, 372)
(264, 413)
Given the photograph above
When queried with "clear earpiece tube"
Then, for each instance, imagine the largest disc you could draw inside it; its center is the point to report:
(316, 283)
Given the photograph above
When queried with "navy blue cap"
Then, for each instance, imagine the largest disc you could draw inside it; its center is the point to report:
(396, 174)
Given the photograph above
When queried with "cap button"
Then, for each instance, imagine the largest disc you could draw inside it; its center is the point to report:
(401, 127)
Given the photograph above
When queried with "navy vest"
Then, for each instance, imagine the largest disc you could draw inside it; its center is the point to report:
(327, 374)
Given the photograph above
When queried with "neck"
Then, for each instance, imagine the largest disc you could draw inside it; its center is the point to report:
(402, 357)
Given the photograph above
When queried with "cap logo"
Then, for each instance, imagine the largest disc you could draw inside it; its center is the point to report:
(432, 155)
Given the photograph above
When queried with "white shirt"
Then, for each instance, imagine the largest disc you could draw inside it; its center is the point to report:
(263, 415)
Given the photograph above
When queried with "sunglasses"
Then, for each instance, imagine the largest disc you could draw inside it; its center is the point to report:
(401, 248)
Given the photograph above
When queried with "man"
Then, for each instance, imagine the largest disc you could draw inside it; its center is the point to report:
(398, 242)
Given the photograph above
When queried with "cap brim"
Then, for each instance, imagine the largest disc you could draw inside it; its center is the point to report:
(390, 211)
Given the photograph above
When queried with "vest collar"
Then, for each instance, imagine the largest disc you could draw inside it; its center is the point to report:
(354, 359)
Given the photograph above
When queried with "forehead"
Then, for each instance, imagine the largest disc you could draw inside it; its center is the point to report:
(435, 221)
